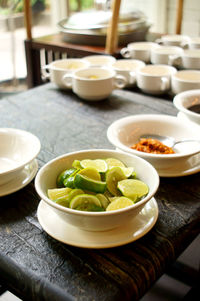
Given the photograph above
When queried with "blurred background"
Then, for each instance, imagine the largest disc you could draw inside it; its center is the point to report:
(47, 13)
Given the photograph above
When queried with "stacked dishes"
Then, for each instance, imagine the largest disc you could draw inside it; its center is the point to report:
(18, 153)
(76, 222)
(90, 27)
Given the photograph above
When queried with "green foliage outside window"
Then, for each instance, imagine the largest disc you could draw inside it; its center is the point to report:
(16, 6)
(80, 4)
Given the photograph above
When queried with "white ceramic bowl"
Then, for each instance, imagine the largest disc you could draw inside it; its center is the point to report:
(184, 100)
(95, 221)
(17, 148)
(125, 132)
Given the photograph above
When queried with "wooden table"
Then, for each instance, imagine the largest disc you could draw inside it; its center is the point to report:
(37, 267)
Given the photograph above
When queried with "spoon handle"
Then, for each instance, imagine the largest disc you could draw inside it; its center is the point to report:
(188, 140)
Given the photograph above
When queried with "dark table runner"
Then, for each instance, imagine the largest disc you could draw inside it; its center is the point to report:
(36, 266)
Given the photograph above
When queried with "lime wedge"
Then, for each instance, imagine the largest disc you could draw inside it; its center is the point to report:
(57, 193)
(64, 175)
(69, 182)
(62, 201)
(85, 183)
(91, 173)
(113, 176)
(128, 171)
(84, 202)
(99, 164)
(103, 199)
(76, 164)
(111, 162)
(119, 203)
(133, 188)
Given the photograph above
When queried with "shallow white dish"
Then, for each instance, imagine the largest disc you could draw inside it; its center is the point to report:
(74, 236)
(17, 149)
(125, 132)
(23, 178)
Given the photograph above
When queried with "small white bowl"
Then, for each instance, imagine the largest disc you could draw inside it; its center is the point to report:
(184, 100)
(95, 221)
(17, 149)
(127, 131)
(100, 60)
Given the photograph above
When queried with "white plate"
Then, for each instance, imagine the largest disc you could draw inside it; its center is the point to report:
(74, 236)
(184, 117)
(191, 166)
(23, 178)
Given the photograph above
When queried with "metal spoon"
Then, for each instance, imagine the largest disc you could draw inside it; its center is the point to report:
(169, 141)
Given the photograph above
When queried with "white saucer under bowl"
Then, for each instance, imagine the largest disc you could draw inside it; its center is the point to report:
(77, 237)
(23, 178)
(191, 166)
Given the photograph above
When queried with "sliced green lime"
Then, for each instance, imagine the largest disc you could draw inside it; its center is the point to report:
(64, 175)
(99, 164)
(57, 193)
(113, 176)
(112, 162)
(90, 207)
(91, 173)
(84, 201)
(69, 182)
(103, 199)
(128, 171)
(119, 203)
(85, 183)
(62, 201)
(74, 192)
(133, 188)
(76, 164)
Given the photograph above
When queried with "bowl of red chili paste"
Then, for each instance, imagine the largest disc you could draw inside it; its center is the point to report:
(125, 134)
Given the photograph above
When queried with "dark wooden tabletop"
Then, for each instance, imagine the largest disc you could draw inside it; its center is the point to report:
(39, 267)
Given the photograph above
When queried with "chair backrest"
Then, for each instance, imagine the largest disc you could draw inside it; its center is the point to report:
(179, 16)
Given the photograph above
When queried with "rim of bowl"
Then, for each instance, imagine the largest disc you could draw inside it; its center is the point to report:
(53, 66)
(36, 141)
(115, 141)
(141, 72)
(178, 102)
(89, 213)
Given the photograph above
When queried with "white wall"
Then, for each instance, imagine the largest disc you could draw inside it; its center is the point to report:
(162, 14)
(190, 20)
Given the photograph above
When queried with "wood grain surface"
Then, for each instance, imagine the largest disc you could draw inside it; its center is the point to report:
(36, 266)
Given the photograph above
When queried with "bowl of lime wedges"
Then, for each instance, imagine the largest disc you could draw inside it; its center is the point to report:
(97, 189)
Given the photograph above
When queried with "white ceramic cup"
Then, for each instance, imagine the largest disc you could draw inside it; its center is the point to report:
(139, 50)
(128, 68)
(185, 80)
(57, 69)
(155, 79)
(161, 55)
(173, 40)
(94, 83)
(100, 60)
(193, 43)
(190, 59)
